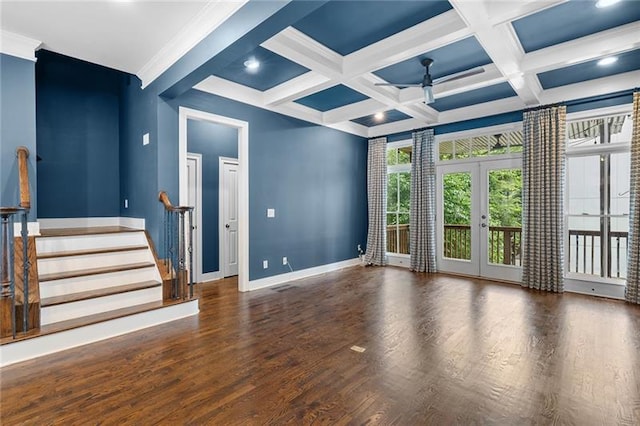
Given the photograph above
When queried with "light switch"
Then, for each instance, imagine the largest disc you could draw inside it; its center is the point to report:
(145, 139)
(271, 212)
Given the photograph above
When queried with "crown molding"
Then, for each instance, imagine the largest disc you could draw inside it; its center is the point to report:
(18, 45)
(214, 13)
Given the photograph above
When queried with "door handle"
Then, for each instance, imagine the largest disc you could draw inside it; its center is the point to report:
(227, 226)
(484, 225)
(484, 216)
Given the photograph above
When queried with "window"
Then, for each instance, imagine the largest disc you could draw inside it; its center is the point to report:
(509, 142)
(598, 169)
(398, 196)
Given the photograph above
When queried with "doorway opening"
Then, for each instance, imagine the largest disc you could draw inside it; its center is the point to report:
(242, 181)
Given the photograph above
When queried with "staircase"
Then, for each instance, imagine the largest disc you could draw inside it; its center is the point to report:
(94, 283)
(89, 271)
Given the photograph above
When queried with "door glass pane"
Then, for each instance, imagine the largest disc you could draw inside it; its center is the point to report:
(404, 189)
(392, 157)
(584, 245)
(392, 233)
(584, 184)
(620, 128)
(515, 141)
(456, 191)
(620, 183)
(618, 246)
(505, 216)
(499, 144)
(445, 150)
(404, 155)
(392, 192)
(403, 233)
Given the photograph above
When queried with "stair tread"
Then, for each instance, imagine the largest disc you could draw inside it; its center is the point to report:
(92, 230)
(94, 271)
(101, 292)
(90, 319)
(90, 251)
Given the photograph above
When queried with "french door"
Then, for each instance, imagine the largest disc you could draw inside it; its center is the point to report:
(479, 219)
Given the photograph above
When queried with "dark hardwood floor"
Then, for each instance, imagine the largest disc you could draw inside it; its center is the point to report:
(439, 350)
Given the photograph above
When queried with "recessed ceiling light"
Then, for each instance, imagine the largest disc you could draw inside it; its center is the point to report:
(379, 116)
(607, 61)
(606, 3)
(252, 64)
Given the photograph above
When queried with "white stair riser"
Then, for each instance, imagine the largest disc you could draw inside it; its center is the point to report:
(76, 263)
(47, 245)
(67, 311)
(95, 282)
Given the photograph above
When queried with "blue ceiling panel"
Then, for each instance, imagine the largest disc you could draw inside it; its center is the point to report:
(389, 117)
(628, 61)
(274, 70)
(447, 60)
(331, 98)
(572, 20)
(478, 96)
(347, 26)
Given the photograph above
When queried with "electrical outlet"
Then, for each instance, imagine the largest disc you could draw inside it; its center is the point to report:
(265, 264)
(284, 260)
(359, 248)
(126, 203)
(145, 139)
(271, 212)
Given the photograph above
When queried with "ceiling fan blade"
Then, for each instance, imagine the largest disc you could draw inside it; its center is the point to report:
(458, 75)
(400, 84)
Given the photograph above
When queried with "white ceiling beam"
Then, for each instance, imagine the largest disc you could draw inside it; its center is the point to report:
(296, 88)
(395, 127)
(481, 110)
(353, 111)
(616, 40)
(302, 49)
(501, 11)
(436, 32)
(597, 87)
(500, 43)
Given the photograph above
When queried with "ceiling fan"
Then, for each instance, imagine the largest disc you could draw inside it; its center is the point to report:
(428, 82)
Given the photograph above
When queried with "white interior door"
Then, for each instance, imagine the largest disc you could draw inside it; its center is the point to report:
(194, 185)
(229, 216)
(479, 217)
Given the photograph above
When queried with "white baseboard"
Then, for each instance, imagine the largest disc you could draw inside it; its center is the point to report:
(303, 273)
(23, 350)
(84, 222)
(32, 227)
(610, 290)
(210, 276)
(404, 261)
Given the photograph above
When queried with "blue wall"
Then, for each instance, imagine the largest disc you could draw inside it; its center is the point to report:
(78, 133)
(313, 176)
(17, 127)
(212, 141)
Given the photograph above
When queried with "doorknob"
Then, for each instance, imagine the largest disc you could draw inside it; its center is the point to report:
(227, 226)
(484, 216)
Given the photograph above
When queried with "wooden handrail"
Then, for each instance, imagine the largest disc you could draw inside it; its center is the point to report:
(23, 176)
(164, 199)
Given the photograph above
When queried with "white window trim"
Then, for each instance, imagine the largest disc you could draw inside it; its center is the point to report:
(584, 151)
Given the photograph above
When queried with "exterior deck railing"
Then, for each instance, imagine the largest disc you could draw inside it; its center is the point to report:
(585, 252)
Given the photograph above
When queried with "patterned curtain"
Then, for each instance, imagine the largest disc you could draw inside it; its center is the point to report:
(543, 175)
(632, 292)
(422, 223)
(377, 200)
